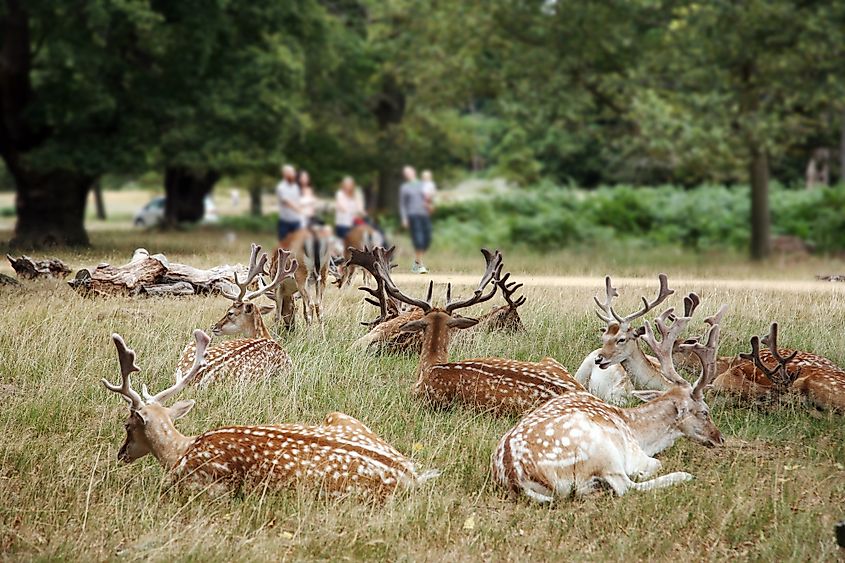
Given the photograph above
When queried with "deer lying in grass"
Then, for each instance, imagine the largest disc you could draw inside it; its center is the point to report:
(751, 377)
(255, 356)
(504, 318)
(494, 384)
(617, 368)
(311, 249)
(575, 441)
(339, 456)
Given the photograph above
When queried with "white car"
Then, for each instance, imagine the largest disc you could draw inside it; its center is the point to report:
(153, 213)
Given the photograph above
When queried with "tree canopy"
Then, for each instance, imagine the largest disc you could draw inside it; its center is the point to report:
(629, 91)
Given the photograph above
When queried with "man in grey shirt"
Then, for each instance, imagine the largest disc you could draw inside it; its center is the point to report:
(290, 211)
(415, 207)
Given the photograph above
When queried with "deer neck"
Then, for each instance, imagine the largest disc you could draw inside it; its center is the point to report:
(435, 346)
(644, 374)
(653, 424)
(167, 444)
(257, 328)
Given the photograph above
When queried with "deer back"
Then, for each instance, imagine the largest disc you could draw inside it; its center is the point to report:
(243, 359)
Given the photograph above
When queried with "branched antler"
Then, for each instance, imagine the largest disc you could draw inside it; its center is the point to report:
(779, 375)
(610, 293)
(708, 352)
(662, 293)
(202, 340)
(509, 289)
(670, 327)
(285, 266)
(382, 266)
(126, 357)
(256, 268)
(494, 266)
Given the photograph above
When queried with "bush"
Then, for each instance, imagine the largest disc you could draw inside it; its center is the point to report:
(704, 218)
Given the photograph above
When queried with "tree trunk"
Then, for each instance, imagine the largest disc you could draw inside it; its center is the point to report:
(255, 200)
(185, 192)
(51, 209)
(98, 200)
(842, 150)
(389, 110)
(760, 219)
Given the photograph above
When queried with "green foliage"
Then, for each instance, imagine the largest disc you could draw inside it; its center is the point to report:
(703, 219)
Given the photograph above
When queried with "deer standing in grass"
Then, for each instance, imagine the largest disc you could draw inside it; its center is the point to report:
(311, 249)
(339, 456)
(255, 356)
(497, 385)
(617, 368)
(575, 441)
(752, 376)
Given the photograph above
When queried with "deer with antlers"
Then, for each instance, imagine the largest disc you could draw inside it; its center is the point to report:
(311, 249)
(504, 318)
(764, 375)
(613, 371)
(257, 355)
(495, 384)
(575, 441)
(339, 456)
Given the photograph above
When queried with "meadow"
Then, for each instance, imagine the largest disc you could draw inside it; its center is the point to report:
(773, 492)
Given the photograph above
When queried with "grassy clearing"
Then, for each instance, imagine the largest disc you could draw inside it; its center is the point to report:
(773, 492)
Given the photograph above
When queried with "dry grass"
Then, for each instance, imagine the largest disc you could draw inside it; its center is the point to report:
(773, 492)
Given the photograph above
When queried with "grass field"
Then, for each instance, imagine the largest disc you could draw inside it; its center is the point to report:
(773, 492)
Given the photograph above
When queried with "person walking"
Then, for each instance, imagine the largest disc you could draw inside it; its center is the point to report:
(415, 208)
(348, 207)
(290, 210)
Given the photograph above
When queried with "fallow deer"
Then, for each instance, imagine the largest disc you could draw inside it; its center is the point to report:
(386, 329)
(339, 456)
(494, 384)
(575, 441)
(360, 237)
(750, 377)
(257, 355)
(311, 249)
(617, 368)
(504, 318)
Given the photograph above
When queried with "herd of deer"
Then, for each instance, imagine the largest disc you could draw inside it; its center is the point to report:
(572, 435)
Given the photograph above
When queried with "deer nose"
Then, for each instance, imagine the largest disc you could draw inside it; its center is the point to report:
(599, 359)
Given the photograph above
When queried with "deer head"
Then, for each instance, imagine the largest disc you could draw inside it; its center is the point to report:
(244, 316)
(149, 428)
(619, 339)
(781, 378)
(691, 413)
(437, 322)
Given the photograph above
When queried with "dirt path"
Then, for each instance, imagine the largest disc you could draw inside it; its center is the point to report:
(792, 286)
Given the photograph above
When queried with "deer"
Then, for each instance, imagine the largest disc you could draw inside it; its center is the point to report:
(497, 385)
(339, 456)
(576, 441)
(504, 318)
(311, 249)
(613, 371)
(752, 375)
(360, 237)
(257, 355)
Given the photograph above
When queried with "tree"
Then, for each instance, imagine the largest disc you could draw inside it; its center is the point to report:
(67, 76)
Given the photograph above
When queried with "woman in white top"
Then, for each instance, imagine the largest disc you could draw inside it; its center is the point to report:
(348, 206)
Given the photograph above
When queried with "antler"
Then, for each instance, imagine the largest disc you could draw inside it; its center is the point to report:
(610, 293)
(662, 294)
(779, 375)
(367, 259)
(494, 267)
(202, 340)
(256, 267)
(382, 266)
(126, 356)
(508, 289)
(707, 353)
(663, 348)
(285, 266)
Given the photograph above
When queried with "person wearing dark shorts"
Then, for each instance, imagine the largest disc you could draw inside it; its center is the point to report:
(415, 207)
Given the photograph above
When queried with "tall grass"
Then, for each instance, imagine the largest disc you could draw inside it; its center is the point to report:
(773, 492)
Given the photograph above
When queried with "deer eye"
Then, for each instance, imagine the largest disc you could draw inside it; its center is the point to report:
(621, 340)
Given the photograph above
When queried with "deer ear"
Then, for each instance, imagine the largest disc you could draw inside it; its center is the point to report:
(646, 395)
(180, 409)
(248, 308)
(461, 322)
(414, 326)
(264, 309)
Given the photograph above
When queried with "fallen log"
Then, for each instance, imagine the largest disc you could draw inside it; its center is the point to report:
(27, 268)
